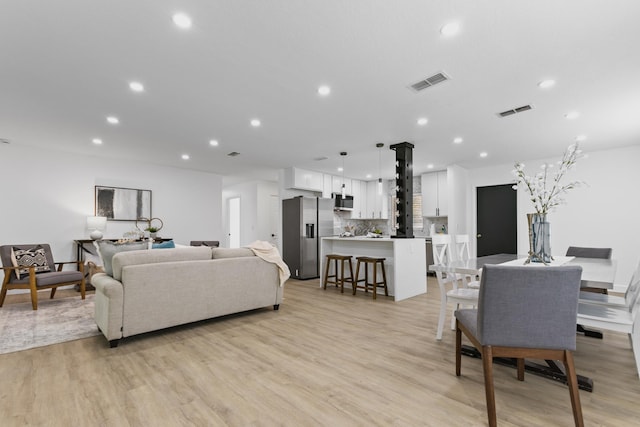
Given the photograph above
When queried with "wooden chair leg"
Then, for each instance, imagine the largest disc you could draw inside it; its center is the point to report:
(326, 273)
(458, 349)
(375, 280)
(384, 279)
(53, 292)
(3, 292)
(487, 364)
(341, 277)
(34, 290)
(520, 363)
(83, 288)
(353, 285)
(572, 381)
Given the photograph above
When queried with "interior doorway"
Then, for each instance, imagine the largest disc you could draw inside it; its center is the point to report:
(234, 222)
(496, 224)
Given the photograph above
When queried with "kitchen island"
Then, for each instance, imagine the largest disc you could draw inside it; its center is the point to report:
(405, 261)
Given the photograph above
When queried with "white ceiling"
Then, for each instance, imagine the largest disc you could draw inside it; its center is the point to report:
(66, 64)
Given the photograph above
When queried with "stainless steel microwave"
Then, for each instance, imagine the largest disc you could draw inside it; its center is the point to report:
(343, 203)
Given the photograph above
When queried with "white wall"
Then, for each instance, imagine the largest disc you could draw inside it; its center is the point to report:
(457, 200)
(47, 195)
(255, 210)
(604, 213)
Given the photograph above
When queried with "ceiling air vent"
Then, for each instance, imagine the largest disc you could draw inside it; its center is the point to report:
(515, 110)
(4, 141)
(429, 81)
(233, 154)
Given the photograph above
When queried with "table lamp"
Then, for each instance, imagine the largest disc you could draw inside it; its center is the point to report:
(96, 224)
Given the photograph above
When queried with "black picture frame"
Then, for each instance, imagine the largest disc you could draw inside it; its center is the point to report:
(122, 204)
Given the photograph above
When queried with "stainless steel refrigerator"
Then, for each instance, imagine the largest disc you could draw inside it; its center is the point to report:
(305, 220)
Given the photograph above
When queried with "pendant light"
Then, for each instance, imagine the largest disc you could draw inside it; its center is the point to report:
(344, 190)
(379, 145)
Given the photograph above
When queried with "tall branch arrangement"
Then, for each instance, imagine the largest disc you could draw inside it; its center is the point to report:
(545, 199)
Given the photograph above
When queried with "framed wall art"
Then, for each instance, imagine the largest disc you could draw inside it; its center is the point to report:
(122, 204)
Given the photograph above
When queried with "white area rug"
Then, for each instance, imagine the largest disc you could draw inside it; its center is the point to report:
(55, 321)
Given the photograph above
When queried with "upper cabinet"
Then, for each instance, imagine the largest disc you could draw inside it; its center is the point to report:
(434, 194)
(337, 185)
(359, 193)
(377, 204)
(301, 179)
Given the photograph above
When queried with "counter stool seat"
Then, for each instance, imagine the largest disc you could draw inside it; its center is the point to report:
(375, 284)
(338, 276)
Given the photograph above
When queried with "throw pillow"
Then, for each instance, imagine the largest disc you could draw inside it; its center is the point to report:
(164, 245)
(32, 257)
(107, 250)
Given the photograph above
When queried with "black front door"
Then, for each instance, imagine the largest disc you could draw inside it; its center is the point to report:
(496, 220)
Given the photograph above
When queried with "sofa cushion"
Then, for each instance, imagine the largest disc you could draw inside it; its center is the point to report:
(122, 260)
(169, 244)
(107, 250)
(30, 257)
(231, 252)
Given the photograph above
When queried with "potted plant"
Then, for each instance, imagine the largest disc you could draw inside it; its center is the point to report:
(152, 231)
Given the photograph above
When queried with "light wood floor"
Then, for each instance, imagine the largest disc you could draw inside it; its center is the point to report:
(323, 359)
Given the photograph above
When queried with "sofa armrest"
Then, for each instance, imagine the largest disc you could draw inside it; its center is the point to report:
(109, 304)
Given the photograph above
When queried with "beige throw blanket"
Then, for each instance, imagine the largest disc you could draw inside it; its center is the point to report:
(270, 253)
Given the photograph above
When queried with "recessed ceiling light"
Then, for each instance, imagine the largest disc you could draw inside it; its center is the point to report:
(368, 176)
(430, 166)
(5, 141)
(422, 121)
(113, 120)
(96, 141)
(255, 123)
(182, 20)
(483, 154)
(457, 140)
(136, 87)
(324, 90)
(185, 157)
(580, 138)
(340, 169)
(213, 143)
(450, 29)
(545, 84)
(572, 115)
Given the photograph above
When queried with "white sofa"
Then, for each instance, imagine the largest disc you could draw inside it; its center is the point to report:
(160, 288)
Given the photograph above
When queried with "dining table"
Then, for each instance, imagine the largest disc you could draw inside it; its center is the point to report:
(596, 273)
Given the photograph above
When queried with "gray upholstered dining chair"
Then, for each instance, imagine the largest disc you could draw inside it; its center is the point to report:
(36, 270)
(523, 312)
(584, 252)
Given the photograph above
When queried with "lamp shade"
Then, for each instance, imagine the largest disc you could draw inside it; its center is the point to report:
(96, 224)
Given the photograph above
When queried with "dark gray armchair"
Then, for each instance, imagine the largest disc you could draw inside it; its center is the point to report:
(523, 312)
(52, 278)
(211, 243)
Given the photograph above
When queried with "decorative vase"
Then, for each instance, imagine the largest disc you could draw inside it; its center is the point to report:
(153, 235)
(539, 239)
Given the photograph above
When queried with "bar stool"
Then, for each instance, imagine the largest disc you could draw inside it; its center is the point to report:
(339, 279)
(375, 283)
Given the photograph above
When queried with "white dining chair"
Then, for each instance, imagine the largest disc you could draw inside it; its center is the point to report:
(450, 292)
(462, 252)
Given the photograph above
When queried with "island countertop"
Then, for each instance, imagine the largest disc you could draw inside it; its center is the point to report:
(404, 260)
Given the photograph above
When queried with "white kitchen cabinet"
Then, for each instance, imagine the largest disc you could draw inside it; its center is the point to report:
(434, 194)
(337, 185)
(359, 193)
(327, 187)
(302, 179)
(377, 204)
